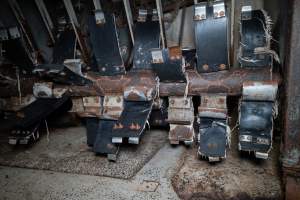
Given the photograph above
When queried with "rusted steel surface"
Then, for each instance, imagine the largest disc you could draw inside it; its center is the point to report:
(139, 93)
(181, 133)
(117, 84)
(226, 82)
(181, 110)
(291, 141)
(87, 106)
(292, 188)
(112, 107)
(12, 89)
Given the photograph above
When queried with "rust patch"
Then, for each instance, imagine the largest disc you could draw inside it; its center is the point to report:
(175, 53)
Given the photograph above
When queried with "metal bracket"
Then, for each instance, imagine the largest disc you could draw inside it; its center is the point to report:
(99, 16)
(157, 56)
(155, 15)
(117, 140)
(200, 12)
(133, 140)
(219, 9)
(246, 13)
(142, 15)
(74, 65)
(14, 32)
(3, 35)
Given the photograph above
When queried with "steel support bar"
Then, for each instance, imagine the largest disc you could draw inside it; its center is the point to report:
(291, 139)
(161, 22)
(226, 82)
(21, 20)
(129, 18)
(76, 25)
(46, 17)
(97, 5)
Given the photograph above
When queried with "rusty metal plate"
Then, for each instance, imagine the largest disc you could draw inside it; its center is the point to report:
(213, 106)
(112, 106)
(170, 66)
(180, 116)
(77, 105)
(147, 36)
(107, 59)
(180, 102)
(253, 35)
(182, 133)
(213, 101)
(211, 39)
(91, 101)
(17, 103)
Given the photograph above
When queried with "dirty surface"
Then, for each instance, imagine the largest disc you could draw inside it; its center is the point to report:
(153, 181)
(67, 151)
(153, 170)
(240, 176)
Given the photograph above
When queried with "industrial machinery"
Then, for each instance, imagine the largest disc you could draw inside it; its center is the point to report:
(113, 60)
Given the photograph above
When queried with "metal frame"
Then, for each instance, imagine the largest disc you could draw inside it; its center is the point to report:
(129, 18)
(75, 25)
(46, 17)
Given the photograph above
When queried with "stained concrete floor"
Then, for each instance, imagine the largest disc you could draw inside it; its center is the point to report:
(64, 168)
(66, 151)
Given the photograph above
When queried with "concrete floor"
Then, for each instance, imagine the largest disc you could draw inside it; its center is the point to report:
(64, 168)
(151, 182)
(66, 151)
